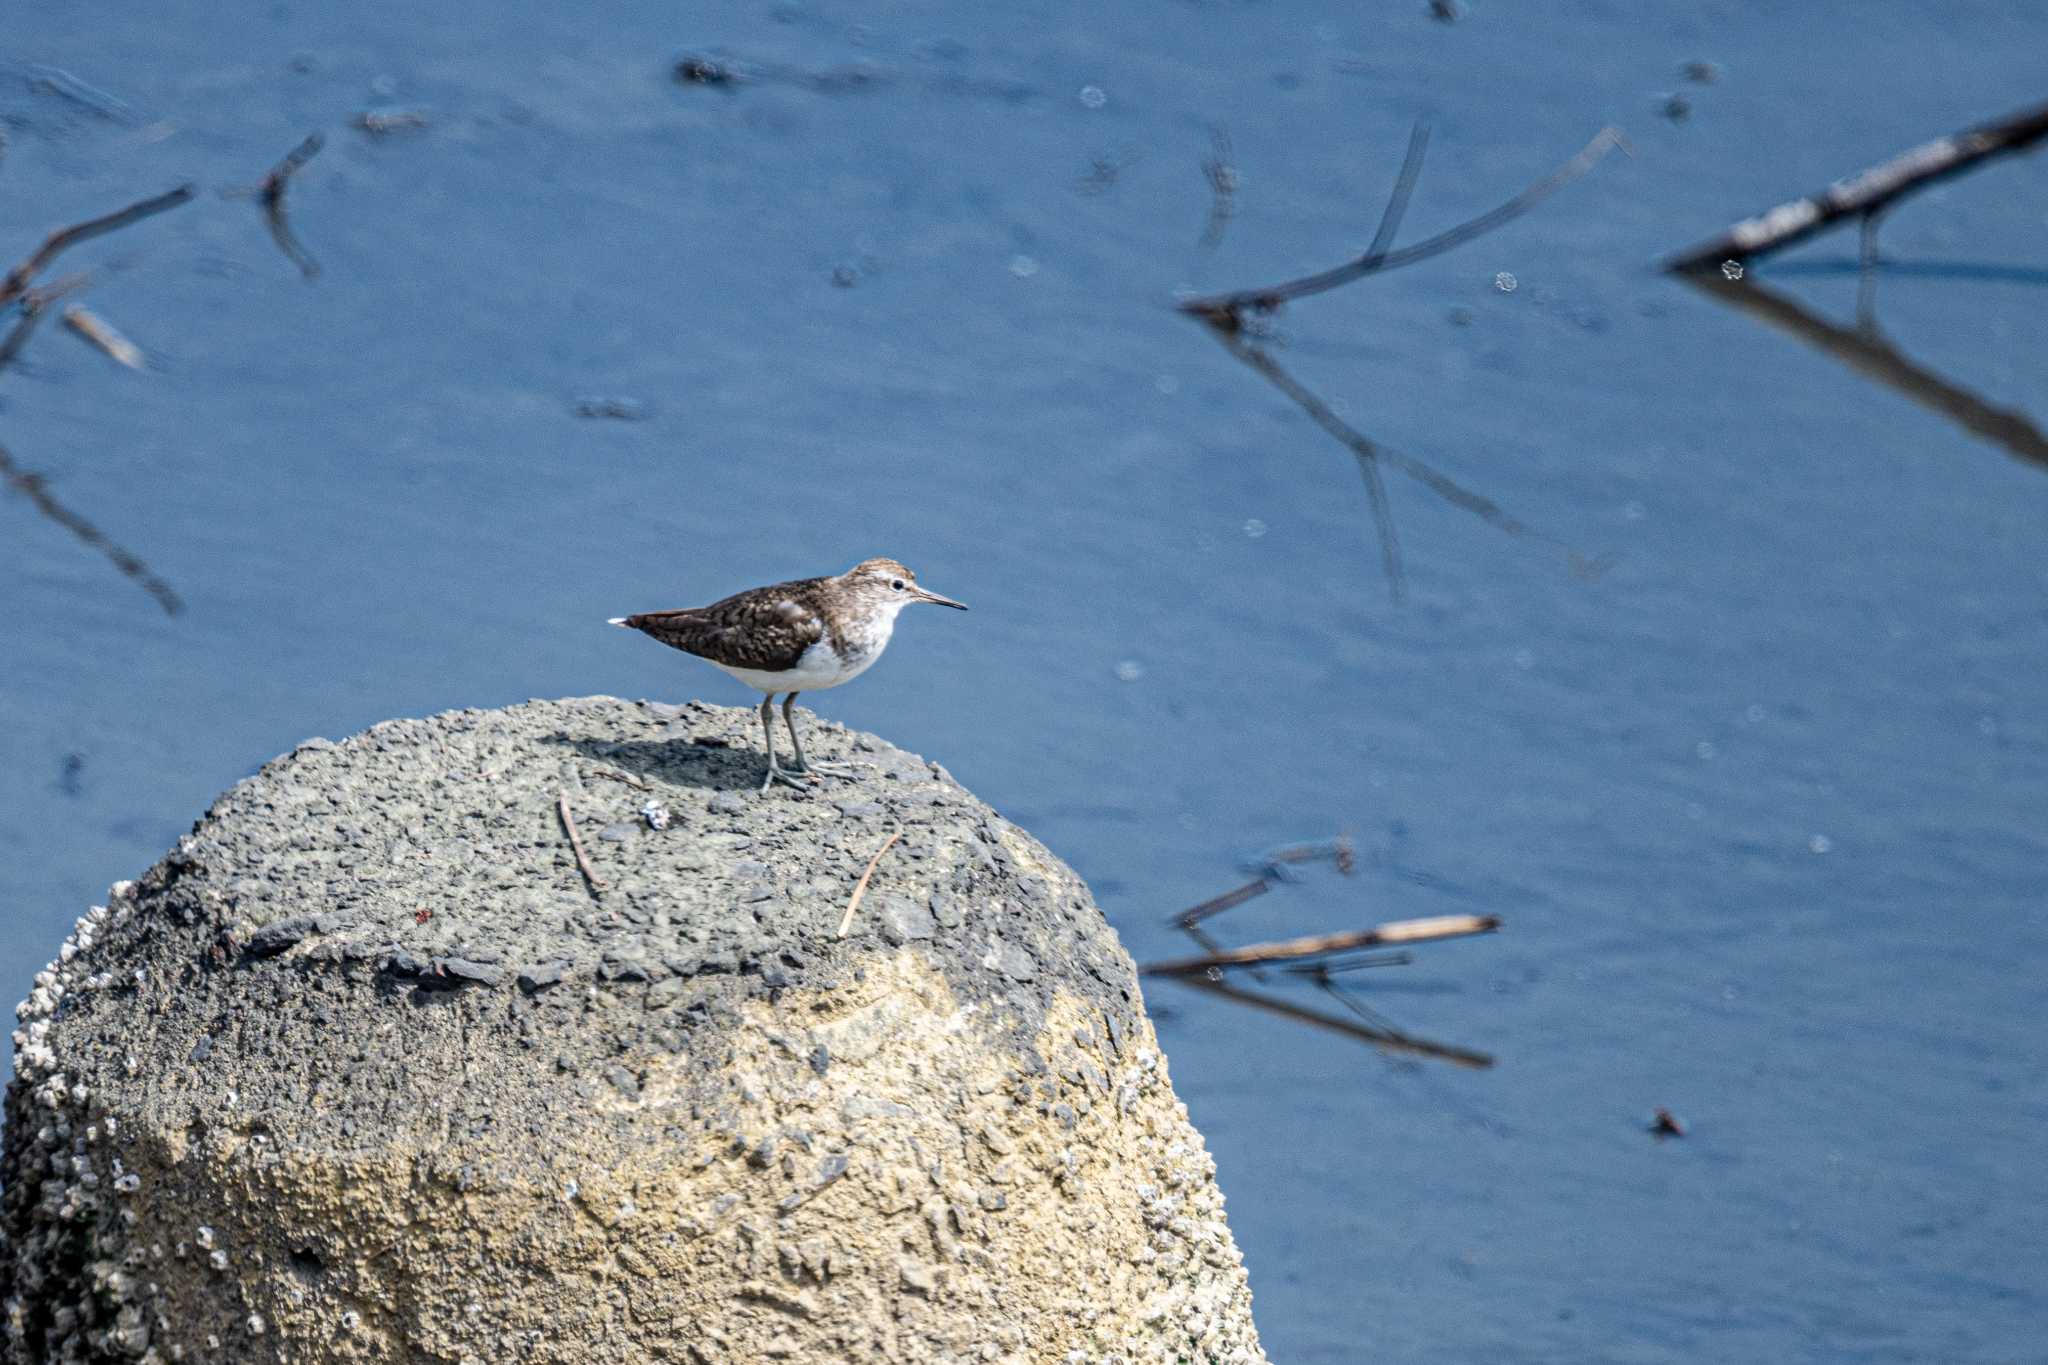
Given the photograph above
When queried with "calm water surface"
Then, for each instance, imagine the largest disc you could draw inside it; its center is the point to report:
(1761, 806)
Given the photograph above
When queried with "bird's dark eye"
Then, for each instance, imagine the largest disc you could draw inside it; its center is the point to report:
(896, 583)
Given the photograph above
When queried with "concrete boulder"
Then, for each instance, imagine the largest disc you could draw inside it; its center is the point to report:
(364, 1070)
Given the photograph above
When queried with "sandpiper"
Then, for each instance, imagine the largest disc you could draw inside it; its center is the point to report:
(800, 636)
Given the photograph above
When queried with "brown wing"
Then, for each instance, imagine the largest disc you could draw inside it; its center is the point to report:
(765, 628)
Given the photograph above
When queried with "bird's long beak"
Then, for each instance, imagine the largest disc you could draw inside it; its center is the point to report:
(923, 596)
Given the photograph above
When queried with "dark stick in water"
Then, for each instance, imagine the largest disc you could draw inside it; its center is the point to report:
(34, 487)
(1865, 193)
(16, 282)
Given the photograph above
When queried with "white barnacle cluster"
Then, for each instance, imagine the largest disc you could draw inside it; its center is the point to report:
(81, 1211)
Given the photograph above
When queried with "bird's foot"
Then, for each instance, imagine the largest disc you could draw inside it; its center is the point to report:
(814, 768)
(778, 774)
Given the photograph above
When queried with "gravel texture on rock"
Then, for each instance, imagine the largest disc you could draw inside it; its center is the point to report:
(366, 1070)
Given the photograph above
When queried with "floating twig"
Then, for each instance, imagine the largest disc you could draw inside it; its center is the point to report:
(576, 842)
(16, 282)
(391, 122)
(1868, 353)
(1229, 900)
(34, 304)
(1865, 193)
(270, 194)
(33, 486)
(1226, 311)
(57, 81)
(861, 887)
(104, 335)
(1338, 850)
(1387, 1040)
(1666, 1125)
(1320, 945)
(1222, 178)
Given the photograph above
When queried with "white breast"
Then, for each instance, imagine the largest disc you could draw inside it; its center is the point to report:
(819, 668)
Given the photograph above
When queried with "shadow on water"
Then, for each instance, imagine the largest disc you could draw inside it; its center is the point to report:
(1975, 272)
(1865, 350)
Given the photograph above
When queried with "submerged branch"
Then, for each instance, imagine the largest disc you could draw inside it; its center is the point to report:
(17, 280)
(35, 488)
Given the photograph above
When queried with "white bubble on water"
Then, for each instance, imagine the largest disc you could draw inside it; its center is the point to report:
(1023, 267)
(1254, 528)
(1094, 96)
(1819, 843)
(1130, 670)
(1731, 270)
(1506, 282)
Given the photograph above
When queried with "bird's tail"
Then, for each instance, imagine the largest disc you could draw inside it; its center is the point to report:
(619, 621)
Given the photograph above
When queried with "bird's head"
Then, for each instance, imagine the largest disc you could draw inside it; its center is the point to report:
(887, 584)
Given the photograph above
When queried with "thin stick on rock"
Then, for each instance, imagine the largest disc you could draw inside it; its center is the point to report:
(861, 887)
(1319, 945)
(576, 842)
(16, 282)
(32, 486)
(1867, 192)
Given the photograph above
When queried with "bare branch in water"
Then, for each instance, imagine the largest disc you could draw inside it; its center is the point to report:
(17, 280)
(1216, 905)
(1867, 352)
(1865, 193)
(1225, 312)
(103, 334)
(1370, 452)
(35, 488)
(1222, 177)
(1323, 945)
(269, 192)
(35, 303)
(1386, 1040)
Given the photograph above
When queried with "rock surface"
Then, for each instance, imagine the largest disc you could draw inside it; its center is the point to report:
(364, 1071)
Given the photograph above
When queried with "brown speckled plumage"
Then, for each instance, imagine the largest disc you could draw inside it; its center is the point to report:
(799, 636)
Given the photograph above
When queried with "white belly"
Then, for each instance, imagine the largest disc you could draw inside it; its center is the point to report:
(819, 668)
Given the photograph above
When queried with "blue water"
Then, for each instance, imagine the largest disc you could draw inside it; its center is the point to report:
(1760, 806)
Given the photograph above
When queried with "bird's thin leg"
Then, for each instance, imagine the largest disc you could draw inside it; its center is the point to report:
(775, 772)
(804, 765)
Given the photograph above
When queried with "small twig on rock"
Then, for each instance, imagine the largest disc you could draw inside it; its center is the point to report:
(104, 335)
(1865, 193)
(576, 842)
(32, 486)
(860, 888)
(617, 776)
(16, 282)
(1320, 945)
